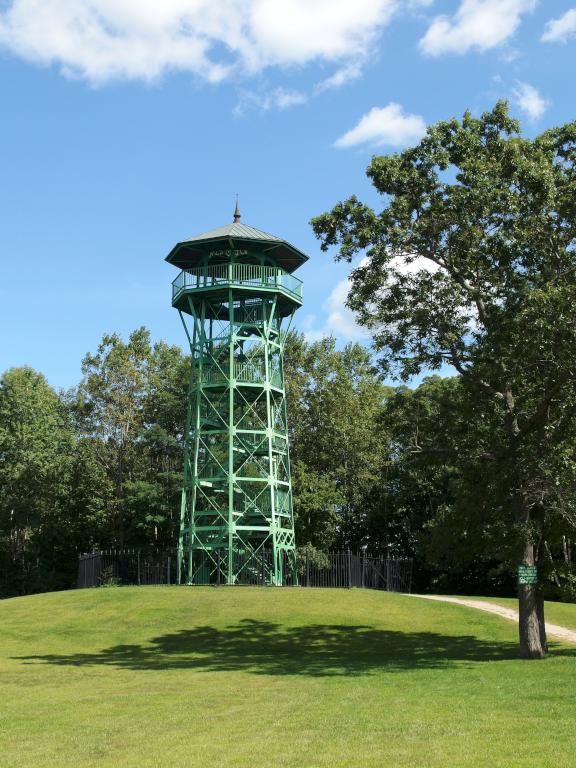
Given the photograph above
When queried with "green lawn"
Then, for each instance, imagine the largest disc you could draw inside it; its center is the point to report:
(167, 676)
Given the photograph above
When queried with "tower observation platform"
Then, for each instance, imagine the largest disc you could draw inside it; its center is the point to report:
(236, 295)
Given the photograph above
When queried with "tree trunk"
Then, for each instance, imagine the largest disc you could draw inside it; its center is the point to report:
(542, 622)
(529, 623)
(531, 615)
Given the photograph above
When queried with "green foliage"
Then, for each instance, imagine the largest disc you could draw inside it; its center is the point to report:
(132, 400)
(318, 506)
(98, 467)
(309, 555)
(35, 466)
(471, 262)
(107, 578)
(334, 400)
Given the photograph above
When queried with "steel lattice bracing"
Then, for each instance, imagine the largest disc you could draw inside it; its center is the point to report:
(236, 498)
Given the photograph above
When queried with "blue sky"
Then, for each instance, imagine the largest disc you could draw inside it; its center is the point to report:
(127, 125)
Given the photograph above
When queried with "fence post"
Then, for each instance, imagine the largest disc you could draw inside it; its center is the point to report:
(138, 567)
(349, 569)
(218, 567)
(388, 573)
(363, 569)
(168, 574)
(307, 570)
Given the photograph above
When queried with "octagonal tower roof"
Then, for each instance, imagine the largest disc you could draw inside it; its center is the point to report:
(231, 237)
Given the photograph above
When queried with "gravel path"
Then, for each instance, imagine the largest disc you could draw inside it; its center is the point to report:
(562, 633)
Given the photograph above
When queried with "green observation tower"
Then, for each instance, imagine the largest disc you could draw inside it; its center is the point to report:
(236, 296)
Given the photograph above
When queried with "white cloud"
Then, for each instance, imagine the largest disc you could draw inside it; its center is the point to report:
(477, 24)
(284, 98)
(280, 98)
(559, 30)
(339, 320)
(411, 264)
(509, 55)
(530, 101)
(102, 40)
(341, 77)
(384, 125)
(297, 31)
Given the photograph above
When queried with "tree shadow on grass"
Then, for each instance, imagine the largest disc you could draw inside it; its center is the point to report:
(261, 647)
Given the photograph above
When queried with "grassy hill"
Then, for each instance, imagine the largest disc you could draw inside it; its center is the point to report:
(160, 676)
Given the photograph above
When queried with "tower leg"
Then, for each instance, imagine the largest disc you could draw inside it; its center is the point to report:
(190, 563)
(236, 495)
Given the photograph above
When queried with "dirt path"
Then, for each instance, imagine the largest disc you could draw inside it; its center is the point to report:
(562, 633)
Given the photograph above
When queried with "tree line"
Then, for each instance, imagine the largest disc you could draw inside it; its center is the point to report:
(99, 467)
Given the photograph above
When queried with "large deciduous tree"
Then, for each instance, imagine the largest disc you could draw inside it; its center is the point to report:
(472, 262)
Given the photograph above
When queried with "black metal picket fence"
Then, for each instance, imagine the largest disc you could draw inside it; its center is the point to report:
(346, 569)
(335, 569)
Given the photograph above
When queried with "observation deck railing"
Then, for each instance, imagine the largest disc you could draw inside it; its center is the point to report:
(246, 275)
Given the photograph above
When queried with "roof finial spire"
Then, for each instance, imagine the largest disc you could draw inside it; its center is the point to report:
(237, 212)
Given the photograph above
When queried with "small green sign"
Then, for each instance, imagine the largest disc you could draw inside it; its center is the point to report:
(527, 574)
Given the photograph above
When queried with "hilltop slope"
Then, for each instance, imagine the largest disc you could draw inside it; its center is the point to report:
(160, 676)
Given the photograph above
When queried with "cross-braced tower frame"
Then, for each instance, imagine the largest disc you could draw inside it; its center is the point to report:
(236, 296)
